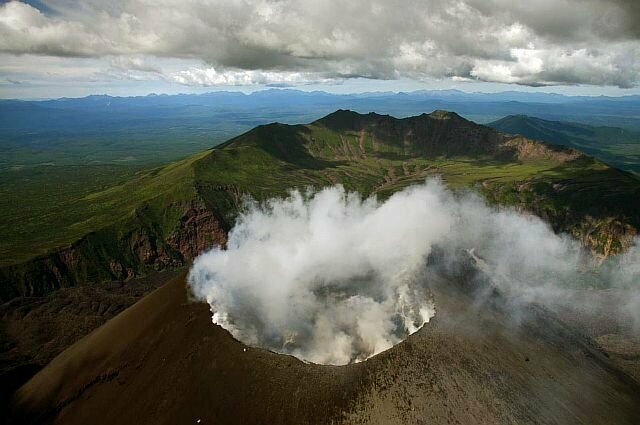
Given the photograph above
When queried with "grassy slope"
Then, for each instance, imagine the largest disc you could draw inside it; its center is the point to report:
(55, 206)
(615, 146)
(108, 234)
(582, 196)
(352, 159)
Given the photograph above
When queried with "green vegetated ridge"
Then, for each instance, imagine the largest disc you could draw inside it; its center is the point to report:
(615, 146)
(113, 233)
(162, 217)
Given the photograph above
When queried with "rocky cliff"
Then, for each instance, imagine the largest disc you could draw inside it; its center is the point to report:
(602, 216)
(111, 254)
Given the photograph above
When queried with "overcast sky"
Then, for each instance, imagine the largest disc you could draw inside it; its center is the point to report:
(51, 48)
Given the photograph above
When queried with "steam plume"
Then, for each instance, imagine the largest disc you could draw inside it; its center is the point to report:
(332, 278)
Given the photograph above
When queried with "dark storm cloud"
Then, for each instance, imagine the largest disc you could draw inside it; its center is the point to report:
(569, 20)
(533, 43)
(631, 17)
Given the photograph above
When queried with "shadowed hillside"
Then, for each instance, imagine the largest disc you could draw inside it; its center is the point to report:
(163, 361)
(616, 146)
(163, 217)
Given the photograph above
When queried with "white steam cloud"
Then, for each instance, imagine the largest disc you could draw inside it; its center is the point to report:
(327, 277)
(333, 279)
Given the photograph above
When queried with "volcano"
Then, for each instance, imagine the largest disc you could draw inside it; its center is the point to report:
(162, 361)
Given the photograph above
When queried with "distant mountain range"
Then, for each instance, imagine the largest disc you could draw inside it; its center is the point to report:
(160, 128)
(480, 107)
(509, 96)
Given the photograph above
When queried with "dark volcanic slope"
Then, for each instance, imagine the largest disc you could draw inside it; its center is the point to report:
(163, 362)
(34, 330)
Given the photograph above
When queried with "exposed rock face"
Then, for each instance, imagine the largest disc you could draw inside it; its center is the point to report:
(197, 231)
(119, 271)
(602, 228)
(606, 237)
(532, 150)
(145, 250)
(69, 257)
(106, 255)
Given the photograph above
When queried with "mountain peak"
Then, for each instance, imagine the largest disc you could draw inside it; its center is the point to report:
(441, 114)
(437, 133)
(348, 119)
(342, 113)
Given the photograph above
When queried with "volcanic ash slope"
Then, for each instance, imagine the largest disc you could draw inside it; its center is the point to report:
(162, 361)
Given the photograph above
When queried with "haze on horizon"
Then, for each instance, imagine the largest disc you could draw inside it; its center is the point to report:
(55, 48)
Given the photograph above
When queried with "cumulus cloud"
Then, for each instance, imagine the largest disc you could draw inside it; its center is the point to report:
(332, 278)
(210, 77)
(127, 64)
(534, 43)
(24, 29)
